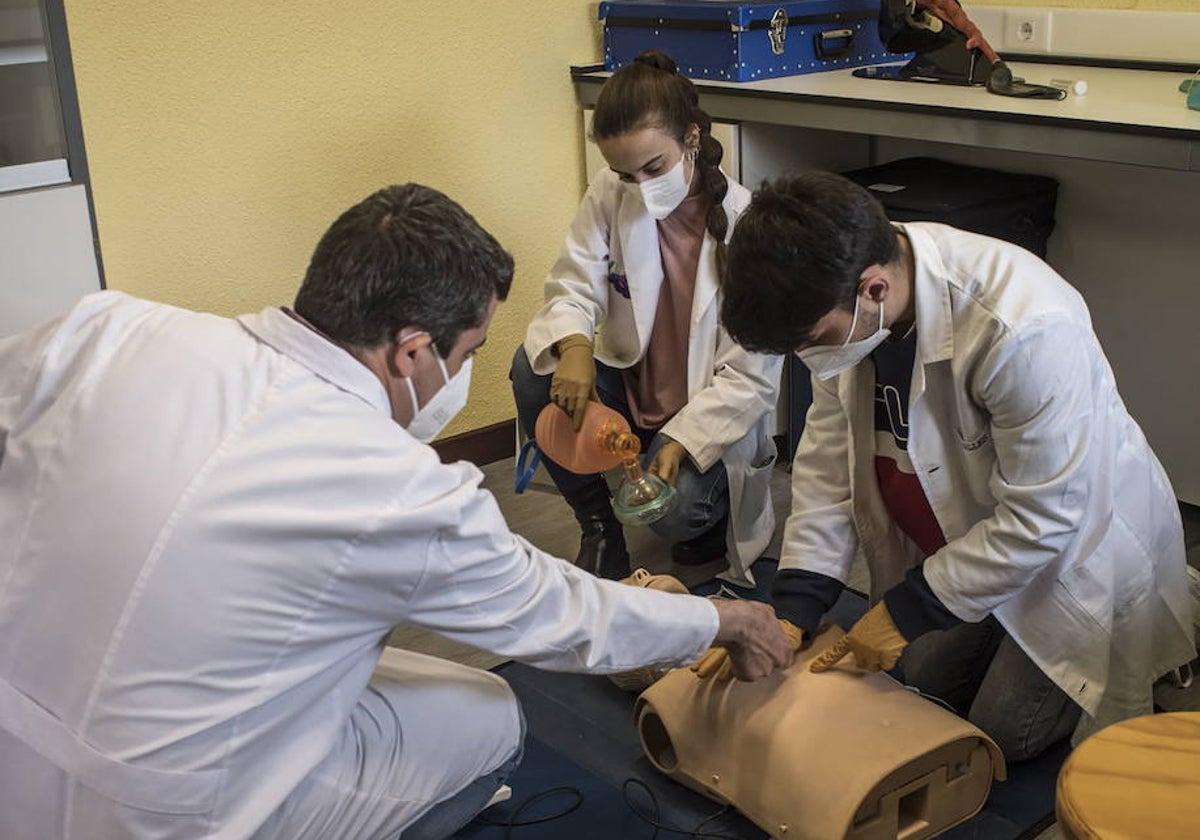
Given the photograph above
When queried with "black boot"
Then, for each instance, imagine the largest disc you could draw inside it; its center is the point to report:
(602, 547)
(703, 549)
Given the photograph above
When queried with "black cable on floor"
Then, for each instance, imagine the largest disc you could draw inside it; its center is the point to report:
(512, 822)
(653, 818)
(1035, 830)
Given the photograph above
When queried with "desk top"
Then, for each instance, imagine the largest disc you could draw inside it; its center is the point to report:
(1127, 116)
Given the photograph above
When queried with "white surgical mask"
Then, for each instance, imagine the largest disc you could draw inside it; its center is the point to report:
(662, 194)
(429, 419)
(826, 362)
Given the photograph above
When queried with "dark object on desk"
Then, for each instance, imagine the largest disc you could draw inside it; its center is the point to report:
(913, 72)
(1002, 82)
(999, 79)
(942, 54)
(742, 42)
(1015, 207)
(949, 49)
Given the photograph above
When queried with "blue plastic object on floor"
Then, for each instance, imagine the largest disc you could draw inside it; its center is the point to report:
(581, 735)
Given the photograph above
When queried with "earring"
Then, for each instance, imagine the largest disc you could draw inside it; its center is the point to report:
(690, 155)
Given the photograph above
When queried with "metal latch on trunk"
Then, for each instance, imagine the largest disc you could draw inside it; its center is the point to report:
(778, 30)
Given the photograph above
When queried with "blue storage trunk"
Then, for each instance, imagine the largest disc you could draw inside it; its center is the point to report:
(741, 42)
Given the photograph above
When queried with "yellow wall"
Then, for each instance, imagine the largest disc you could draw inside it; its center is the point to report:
(1139, 5)
(223, 137)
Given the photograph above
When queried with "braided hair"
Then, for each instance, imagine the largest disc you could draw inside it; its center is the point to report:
(649, 92)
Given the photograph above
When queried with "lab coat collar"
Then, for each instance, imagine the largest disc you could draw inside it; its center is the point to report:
(275, 327)
(934, 314)
(640, 247)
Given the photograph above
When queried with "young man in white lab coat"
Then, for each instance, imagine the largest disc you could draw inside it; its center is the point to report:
(966, 438)
(209, 526)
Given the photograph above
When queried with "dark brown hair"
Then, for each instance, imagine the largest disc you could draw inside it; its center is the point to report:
(406, 256)
(798, 252)
(649, 92)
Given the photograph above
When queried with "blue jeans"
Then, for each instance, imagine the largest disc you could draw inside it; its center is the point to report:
(703, 496)
(980, 671)
(449, 815)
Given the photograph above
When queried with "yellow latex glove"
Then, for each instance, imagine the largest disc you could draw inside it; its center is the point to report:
(574, 380)
(666, 462)
(715, 662)
(874, 641)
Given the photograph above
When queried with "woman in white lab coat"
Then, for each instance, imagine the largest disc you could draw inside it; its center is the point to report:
(967, 440)
(631, 319)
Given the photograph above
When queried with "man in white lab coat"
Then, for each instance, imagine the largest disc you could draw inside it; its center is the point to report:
(209, 526)
(966, 438)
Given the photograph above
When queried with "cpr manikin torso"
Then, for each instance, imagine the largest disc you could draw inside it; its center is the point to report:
(838, 754)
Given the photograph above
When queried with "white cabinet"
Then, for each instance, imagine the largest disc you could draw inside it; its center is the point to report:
(47, 260)
(48, 253)
(33, 147)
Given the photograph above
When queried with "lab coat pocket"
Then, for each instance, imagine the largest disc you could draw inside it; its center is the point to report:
(973, 429)
(1114, 579)
(975, 440)
(978, 463)
(756, 488)
(139, 788)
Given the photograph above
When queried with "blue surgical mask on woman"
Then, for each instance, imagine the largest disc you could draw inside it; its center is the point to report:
(826, 362)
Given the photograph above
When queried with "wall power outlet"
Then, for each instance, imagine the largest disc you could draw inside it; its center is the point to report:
(1027, 30)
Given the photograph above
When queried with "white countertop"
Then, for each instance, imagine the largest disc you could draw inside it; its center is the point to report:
(1127, 116)
(1133, 98)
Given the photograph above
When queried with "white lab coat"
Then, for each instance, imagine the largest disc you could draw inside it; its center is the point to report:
(207, 529)
(730, 414)
(1059, 519)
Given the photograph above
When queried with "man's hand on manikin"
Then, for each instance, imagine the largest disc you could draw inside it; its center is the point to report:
(717, 664)
(754, 639)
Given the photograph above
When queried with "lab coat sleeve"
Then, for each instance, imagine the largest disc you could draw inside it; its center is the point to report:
(20, 360)
(1036, 386)
(819, 534)
(803, 597)
(576, 290)
(743, 390)
(484, 586)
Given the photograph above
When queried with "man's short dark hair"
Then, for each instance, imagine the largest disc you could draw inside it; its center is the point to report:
(796, 254)
(406, 256)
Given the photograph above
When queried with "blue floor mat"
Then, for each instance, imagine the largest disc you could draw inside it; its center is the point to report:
(581, 735)
(602, 813)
